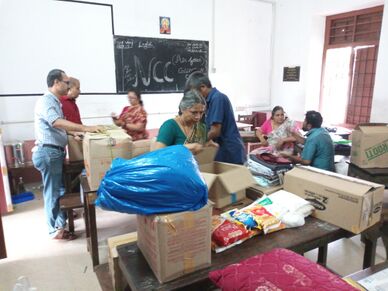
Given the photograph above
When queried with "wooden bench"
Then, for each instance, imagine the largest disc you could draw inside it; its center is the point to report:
(67, 203)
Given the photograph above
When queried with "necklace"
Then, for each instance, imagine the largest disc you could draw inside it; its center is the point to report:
(186, 129)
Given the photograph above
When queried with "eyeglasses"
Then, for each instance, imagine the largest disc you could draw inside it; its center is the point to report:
(66, 82)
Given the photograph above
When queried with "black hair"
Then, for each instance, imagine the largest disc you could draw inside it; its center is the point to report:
(314, 118)
(55, 74)
(196, 80)
(138, 95)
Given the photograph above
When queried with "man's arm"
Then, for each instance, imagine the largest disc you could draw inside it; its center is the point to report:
(296, 159)
(71, 126)
(215, 131)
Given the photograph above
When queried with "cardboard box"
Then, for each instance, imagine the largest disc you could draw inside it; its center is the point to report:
(226, 182)
(140, 147)
(176, 244)
(99, 151)
(370, 145)
(118, 279)
(74, 149)
(347, 202)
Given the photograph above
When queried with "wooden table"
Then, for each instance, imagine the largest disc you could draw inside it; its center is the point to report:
(314, 234)
(376, 175)
(71, 172)
(89, 197)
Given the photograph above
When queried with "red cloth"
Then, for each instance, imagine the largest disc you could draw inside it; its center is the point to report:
(70, 109)
(279, 269)
(134, 115)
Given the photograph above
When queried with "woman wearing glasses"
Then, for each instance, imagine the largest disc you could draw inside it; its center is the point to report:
(186, 128)
(133, 118)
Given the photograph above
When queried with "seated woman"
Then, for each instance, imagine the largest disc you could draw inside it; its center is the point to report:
(279, 132)
(187, 128)
(133, 118)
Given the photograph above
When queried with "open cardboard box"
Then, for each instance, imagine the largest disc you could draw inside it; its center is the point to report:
(370, 145)
(226, 182)
(347, 202)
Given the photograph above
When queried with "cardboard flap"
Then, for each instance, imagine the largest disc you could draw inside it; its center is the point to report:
(209, 179)
(236, 179)
(348, 184)
(373, 128)
(206, 156)
(108, 133)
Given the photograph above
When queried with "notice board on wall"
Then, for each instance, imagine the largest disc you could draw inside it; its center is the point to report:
(157, 65)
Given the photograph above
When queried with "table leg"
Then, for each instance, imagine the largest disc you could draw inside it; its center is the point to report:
(370, 237)
(86, 216)
(322, 255)
(93, 234)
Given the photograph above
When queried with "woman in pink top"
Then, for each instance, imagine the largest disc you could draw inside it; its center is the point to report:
(276, 132)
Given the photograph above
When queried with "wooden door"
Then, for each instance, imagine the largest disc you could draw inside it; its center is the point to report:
(362, 84)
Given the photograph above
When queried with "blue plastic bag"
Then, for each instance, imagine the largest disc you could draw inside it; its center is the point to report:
(166, 180)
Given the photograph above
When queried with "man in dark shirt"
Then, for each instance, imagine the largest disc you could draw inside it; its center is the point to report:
(69, 106)
(220, 121)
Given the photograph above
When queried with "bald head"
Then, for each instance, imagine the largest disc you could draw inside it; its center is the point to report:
(74, 88)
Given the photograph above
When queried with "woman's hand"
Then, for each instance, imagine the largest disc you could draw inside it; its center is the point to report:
(116, 119)
(280, 143)
(211, 143)
(260, 136)
(195, 148)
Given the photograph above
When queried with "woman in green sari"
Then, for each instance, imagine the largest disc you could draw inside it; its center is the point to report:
(187, 128)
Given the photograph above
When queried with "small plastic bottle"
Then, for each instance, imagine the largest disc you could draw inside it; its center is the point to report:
(21, 188)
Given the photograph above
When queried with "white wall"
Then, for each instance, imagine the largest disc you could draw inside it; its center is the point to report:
(189, 20)
(299, 40)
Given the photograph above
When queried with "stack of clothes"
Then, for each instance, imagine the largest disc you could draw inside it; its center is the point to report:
(268, 169)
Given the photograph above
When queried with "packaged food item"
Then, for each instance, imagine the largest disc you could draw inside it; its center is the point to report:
(226, 234)
(254, 216)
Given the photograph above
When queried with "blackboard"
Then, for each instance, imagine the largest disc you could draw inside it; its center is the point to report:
(157, 65)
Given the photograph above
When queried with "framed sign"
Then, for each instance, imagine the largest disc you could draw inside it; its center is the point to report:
(164, 25)
(291, 74)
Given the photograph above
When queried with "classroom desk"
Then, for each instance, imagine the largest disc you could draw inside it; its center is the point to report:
(243, 126)
(16, 171)
(376, 175)
(314, 234)
(249, 136)
(71, 171)
(89, 197)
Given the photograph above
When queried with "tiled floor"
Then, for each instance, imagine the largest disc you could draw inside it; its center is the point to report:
(48, 264)
(55, 265)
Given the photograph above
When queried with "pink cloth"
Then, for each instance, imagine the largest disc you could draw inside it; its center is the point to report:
(279, 269)
(266, 127)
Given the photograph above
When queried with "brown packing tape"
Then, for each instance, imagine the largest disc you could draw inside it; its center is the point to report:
(188, 220)
(170, 224)
(189, 262)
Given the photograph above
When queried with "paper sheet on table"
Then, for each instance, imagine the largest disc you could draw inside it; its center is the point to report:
(376, 282)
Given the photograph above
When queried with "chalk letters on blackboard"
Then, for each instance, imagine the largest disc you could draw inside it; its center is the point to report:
(157, 65)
